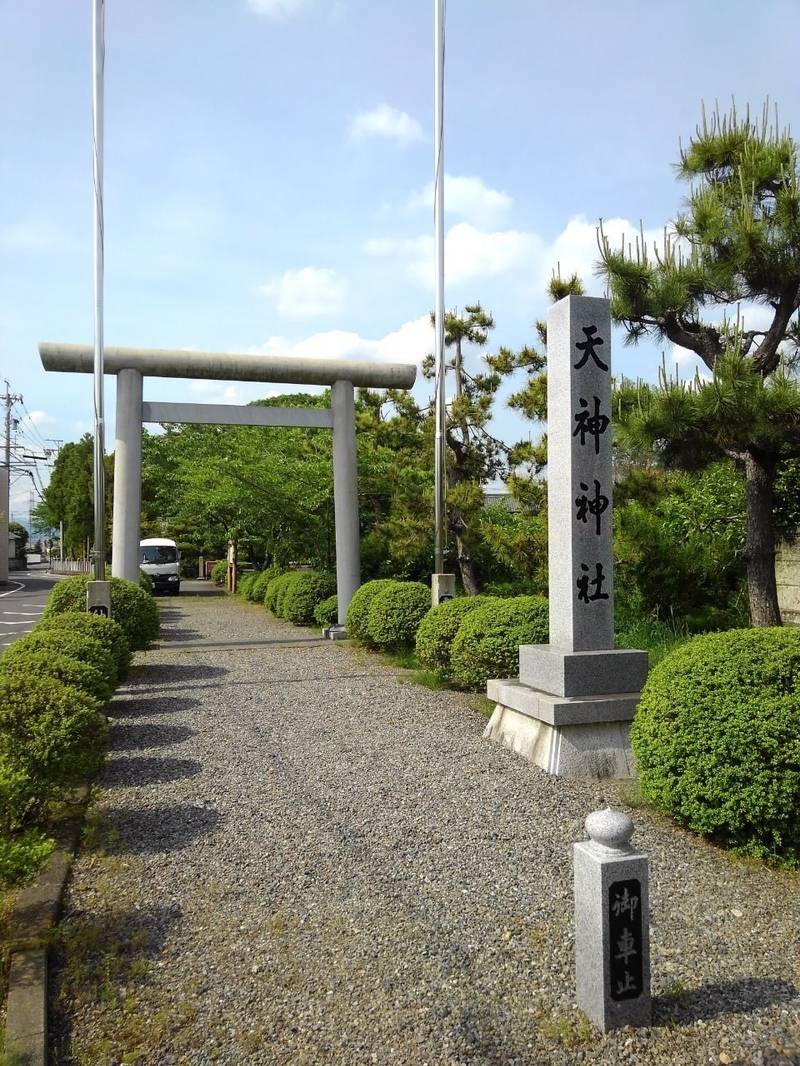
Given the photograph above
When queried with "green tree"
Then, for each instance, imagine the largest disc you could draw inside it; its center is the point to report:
(737, 241)
(68, 497)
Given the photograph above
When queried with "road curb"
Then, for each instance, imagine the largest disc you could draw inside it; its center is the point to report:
(31, 924)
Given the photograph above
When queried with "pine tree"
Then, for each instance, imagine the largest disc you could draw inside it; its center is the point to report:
(738, 241)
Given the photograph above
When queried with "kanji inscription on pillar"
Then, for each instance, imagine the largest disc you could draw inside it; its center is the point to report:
(579, 474)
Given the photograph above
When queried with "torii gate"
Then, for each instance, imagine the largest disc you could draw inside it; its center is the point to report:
(132, 365)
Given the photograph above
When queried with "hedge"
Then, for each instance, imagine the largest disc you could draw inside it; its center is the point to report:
(396, 612)
(259, 586)
(219, 572)
(438, 629)
(109, 632)
(358, 611)
(133, 608)
(75, 645)
(65, 668)
(273, 597)
(327, 612)
(717, 739)
(488, 639)
(51, 737)
(244, 583)
(304, 593)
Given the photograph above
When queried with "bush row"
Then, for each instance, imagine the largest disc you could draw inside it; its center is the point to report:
(296, 595)
(54, 685)
(465, 641)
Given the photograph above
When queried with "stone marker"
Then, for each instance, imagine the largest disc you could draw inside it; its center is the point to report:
(98, 598)
(570, 709)
(612, 924)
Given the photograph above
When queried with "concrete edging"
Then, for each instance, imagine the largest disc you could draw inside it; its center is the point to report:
(35, 915)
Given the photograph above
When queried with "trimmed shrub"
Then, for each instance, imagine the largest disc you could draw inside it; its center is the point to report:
(145, 582)
(110, 634)
(74, 645)
(258, 588)
(717, 739)
(275, 591)
(72, 671)
(358, 610)
(133, 608)
(219, 572)
(488, 639)
(16, 794)
(438, 629)
(327, 612)
(304, 594)
(21, 856)
(396, 612)
(244, 583)
(50, 733)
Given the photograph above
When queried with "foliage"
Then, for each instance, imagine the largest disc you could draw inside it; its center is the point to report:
(20, 534)
(63, 667)
(488, 639)
(74, 645)
(396, 612)
(68, 496)
(438, 629)
(304, 593)
(357, 617)
(737, 242)
(717, 739)
(133, 608)
(678, 544)
(108, 631)
(259, 586)
(145, 582)
(274, 591)
(50, 734)
(219, 571)
(327, 612)
(22, 854)
(244, 582)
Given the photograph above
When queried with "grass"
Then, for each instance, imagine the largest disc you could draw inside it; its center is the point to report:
(656, 638)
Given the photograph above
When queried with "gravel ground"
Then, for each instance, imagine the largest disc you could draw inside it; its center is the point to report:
(298, 859)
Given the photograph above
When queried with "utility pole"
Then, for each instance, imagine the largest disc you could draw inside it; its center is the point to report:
(98, 595)
(5, 483)
(442, 585)
(9, 400)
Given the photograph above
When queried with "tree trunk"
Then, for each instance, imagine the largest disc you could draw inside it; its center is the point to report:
(469, 574)
(760, 546)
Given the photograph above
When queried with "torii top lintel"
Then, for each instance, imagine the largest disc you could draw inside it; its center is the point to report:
(229, 366)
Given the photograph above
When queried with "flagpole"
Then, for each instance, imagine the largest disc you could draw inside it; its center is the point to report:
(438, 225)
(98, 70)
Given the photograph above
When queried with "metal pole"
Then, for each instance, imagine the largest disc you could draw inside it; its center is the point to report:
(438, 225)
(98, 65)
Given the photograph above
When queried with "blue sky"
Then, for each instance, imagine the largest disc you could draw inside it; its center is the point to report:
(268, 162)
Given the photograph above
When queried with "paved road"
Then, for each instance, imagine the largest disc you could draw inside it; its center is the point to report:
(21, 603)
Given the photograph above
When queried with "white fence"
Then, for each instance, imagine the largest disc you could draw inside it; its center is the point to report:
(70, 566)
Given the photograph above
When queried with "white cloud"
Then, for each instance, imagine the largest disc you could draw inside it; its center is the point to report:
(41, 419)
(307, 292)
(281, 10)
(468, 198)
(387, 122)
(406, 344)
(469, 253)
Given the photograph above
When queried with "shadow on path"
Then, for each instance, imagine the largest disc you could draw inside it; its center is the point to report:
(150, 735)
(722, 997)
(143, 830)
(148, 770)
(144, 707)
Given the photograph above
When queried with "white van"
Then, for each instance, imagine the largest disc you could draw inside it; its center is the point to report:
(160, 560)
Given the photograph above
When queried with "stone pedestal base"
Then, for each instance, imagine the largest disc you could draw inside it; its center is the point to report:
(337, 632)
(443, 588)
(565, 735)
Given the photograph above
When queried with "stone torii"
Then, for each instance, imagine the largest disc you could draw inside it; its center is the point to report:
(132, 365)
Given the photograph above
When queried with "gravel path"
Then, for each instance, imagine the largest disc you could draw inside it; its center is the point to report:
(298, 859)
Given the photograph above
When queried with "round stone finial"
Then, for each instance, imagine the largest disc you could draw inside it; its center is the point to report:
(610, 829)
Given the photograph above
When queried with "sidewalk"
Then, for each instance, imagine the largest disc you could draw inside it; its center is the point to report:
(297, 859)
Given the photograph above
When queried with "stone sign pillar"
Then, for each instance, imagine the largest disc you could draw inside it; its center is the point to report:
(612, 924)
(570, 709)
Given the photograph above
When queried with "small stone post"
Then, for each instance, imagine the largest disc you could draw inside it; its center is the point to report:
(612, 924)
(443, 588)
(570, 709)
